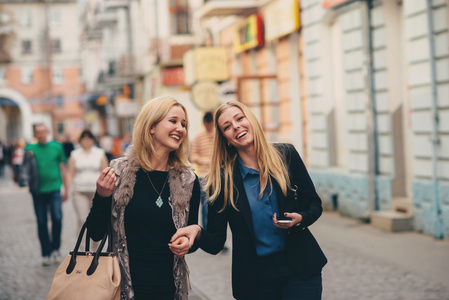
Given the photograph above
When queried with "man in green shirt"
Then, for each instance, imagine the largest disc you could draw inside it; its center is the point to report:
(50, 160)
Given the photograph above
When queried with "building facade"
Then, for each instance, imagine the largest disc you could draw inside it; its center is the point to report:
(40, 68)
(360, 88)
(377, 84)
(134, 44)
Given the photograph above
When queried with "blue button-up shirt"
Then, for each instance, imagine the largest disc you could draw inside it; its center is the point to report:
(269, 238)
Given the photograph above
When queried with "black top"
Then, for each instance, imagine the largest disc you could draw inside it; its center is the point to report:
(149, 229)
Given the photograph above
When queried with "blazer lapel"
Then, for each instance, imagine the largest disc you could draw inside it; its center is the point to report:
(242, 201)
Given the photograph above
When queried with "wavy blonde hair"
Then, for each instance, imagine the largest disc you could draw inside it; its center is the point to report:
(149, 116)
(268, 157)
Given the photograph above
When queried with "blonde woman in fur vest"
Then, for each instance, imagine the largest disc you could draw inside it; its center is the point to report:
(147, 195)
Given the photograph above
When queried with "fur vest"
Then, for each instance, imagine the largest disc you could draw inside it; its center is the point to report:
(181, 182)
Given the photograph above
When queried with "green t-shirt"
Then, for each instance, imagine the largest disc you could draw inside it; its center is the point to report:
(48, 157)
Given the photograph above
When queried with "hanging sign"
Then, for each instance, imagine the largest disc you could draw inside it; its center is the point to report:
(205, 95)
(206, 63)
(281, 18)
(248, 34)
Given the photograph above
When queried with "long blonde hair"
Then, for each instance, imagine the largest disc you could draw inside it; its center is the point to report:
(149, 116)
(269, 160)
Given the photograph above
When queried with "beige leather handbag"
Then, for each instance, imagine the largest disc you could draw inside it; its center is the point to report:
(87, 275)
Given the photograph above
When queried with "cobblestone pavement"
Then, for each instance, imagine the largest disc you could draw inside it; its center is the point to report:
(364, 263)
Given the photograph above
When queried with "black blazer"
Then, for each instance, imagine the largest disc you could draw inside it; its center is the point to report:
(304, 254)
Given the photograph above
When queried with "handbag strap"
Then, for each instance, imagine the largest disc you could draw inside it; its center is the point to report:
(94, 264)
(109, 249)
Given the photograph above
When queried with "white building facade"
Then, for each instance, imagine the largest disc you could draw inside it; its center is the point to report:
(377, 83)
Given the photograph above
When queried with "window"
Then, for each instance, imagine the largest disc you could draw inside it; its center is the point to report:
(27, 75)
(59, 101)
(55, 17)
(58, 75)
(56, 46)
(338, 118)
(180, 23)
(112, 68)
(26, 46)
(25, 18)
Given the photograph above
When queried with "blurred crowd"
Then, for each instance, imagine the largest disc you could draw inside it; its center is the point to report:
(12, 152)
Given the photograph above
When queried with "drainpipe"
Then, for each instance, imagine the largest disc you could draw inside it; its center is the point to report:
(435, 139)
(130, 32)
(373, 151)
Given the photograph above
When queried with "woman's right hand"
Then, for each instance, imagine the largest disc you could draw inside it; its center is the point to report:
(192, 232)
(106, 182)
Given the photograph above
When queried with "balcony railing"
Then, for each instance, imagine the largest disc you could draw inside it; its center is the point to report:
(105, 19)
(115, 4)
(213, 8)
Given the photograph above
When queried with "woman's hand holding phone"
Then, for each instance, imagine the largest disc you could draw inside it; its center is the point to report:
(293, 220)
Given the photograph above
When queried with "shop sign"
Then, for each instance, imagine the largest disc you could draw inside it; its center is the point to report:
(91, 116)
(206, 63)
(248, 34)
(281, 18)
(205, 95)
(211, 63)
(126, 109)
(332, 3)
(173, 76)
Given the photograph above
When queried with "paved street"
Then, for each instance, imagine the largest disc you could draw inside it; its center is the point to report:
(364, 263)
(22, 277)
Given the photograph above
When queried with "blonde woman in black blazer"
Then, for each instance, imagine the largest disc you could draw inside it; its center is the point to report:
(266, 195)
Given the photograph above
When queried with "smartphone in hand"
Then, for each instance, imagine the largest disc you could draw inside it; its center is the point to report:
(284, 221)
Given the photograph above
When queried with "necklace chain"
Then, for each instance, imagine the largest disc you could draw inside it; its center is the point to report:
(159, 201)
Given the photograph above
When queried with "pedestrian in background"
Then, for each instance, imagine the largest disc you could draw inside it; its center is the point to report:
(17, 158)
(125, 142)
(146, 195)
(85, 165)
(48, 162)
(67, 145)
(106, 143)
(265, 193)
(201, 154)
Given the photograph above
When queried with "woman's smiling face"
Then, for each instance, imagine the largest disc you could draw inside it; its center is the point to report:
(170, 132)
(236, 128)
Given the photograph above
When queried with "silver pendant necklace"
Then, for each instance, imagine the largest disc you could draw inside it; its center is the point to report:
(159, 202)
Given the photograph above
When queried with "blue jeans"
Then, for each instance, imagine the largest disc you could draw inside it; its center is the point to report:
(43, 202)
(204, 206)
(277, 281)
